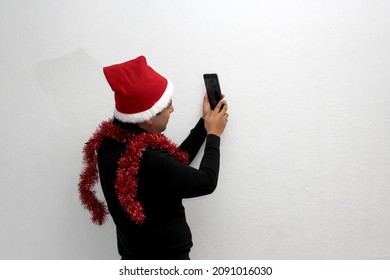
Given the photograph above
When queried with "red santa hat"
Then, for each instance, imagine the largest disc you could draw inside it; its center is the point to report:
(140, 92)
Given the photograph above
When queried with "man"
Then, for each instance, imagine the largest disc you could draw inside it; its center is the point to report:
(145, 176)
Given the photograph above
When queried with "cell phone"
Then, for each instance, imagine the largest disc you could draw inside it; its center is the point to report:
(213, 89)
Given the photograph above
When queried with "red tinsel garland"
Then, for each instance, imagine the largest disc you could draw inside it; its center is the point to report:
(126, 182)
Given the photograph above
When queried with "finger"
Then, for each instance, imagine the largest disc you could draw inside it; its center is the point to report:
(219, 107)
(221, 102)
(224, 109)
(206, 105)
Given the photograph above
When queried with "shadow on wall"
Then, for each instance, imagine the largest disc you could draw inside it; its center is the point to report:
(76, 86)
(75, 99)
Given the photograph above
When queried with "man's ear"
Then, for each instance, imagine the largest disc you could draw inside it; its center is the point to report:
(149, 122)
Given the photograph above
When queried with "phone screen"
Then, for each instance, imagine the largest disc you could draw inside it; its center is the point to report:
(213, 89)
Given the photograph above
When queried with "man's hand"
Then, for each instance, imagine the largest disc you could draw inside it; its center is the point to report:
(215, 120)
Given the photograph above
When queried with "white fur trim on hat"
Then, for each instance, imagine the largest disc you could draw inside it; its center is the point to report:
(146, 115)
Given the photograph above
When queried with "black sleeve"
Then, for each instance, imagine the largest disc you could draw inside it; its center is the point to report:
(171, 176)
(194, 140)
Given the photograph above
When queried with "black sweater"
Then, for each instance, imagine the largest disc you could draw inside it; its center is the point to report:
(163, 182)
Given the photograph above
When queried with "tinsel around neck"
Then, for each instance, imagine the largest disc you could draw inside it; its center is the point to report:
(126, 183)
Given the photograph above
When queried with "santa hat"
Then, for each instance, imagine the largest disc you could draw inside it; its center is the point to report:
(140, 92)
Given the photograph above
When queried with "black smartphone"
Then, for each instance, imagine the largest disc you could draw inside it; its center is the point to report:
(213, 89)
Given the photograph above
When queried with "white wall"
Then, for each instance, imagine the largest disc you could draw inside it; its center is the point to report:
(306, 155)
